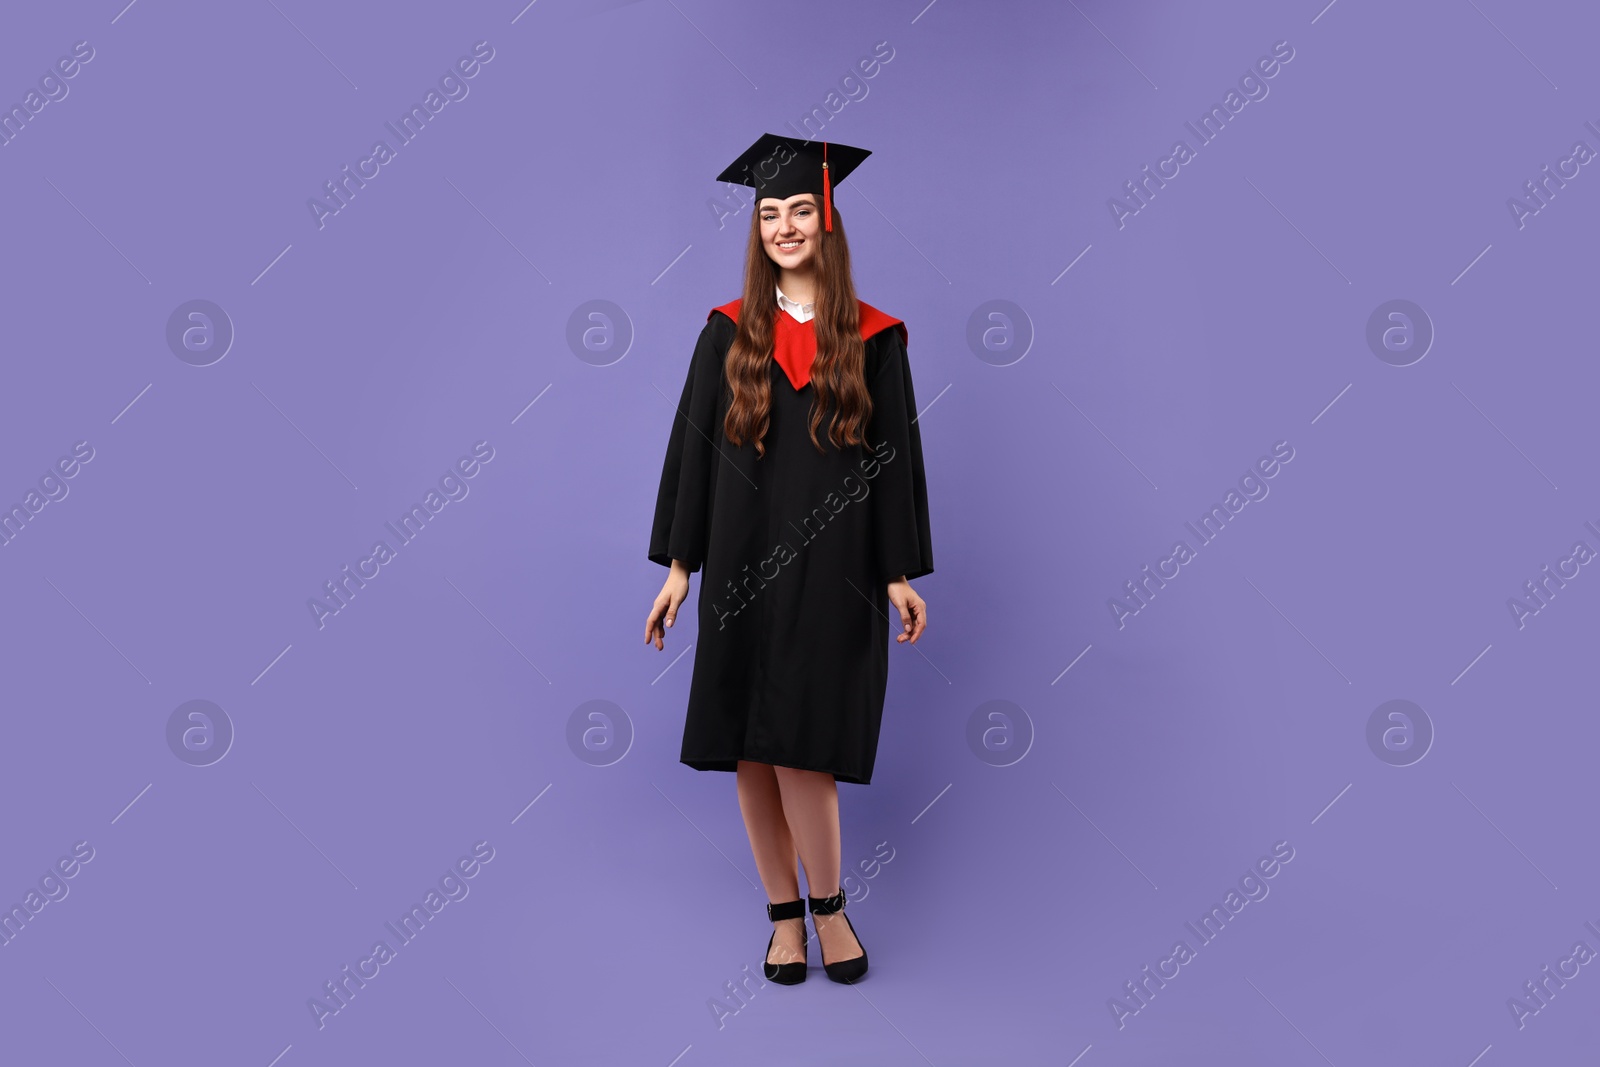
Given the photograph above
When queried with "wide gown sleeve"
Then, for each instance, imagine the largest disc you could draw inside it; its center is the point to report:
(683, 501)
(902, 543)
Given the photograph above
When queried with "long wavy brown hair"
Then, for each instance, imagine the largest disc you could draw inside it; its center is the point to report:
(837, 375)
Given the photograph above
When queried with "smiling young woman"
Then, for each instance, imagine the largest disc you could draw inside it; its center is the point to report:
(796, 389)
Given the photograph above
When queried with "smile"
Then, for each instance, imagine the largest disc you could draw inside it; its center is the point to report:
(789, 246)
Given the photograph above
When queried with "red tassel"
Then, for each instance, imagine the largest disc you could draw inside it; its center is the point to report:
(827, 191)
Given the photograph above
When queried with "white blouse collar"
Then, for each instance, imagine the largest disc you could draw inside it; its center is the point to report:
(799, 312)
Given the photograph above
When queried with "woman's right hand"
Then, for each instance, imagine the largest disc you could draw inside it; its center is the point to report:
(673, 593)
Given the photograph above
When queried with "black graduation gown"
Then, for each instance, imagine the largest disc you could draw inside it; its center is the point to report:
(795, 550)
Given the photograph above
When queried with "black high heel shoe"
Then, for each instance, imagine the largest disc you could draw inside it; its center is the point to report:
(786, 973)
(845, 971)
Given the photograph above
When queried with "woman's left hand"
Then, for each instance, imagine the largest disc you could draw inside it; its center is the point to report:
(913, 610)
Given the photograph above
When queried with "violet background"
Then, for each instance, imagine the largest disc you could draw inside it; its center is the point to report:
(434, 710)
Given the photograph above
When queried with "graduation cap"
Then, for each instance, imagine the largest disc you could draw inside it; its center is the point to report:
(782, 167)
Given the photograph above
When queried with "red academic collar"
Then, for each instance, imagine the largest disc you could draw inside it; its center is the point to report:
(795, 343)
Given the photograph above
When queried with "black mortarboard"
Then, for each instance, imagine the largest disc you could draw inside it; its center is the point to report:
(782, 167)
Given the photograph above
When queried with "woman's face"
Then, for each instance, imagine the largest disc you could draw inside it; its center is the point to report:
(789, 230)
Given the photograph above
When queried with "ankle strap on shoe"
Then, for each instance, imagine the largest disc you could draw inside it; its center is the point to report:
(826, 905)
(789, 909)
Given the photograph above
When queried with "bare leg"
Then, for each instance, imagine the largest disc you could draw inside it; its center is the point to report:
(811, 808)
(774, 852)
